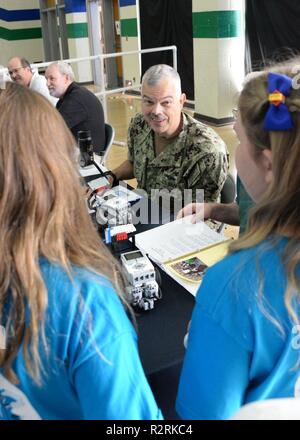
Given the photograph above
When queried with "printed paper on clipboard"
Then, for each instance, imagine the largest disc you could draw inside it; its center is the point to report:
(177, 239)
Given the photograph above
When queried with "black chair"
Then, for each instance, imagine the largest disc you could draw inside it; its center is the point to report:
(228, 192)
(109, 139)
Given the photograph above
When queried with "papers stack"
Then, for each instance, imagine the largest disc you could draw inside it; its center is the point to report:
(182, 243)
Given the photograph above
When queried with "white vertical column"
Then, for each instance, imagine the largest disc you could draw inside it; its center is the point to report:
(130, 39)
(79, 39)
(219, 41)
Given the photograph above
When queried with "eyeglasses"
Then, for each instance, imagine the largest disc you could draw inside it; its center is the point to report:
(11, 72)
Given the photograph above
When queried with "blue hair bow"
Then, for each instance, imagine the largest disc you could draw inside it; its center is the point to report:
(278, 116)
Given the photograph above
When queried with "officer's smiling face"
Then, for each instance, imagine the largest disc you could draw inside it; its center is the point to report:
(161, 106)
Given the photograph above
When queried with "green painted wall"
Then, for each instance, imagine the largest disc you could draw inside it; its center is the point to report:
(129, 27)
(217, 24)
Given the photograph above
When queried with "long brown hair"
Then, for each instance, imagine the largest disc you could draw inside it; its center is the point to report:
(42, 213)
(278, 213)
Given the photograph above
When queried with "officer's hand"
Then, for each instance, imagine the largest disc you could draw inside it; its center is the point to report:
(112, 179)
(200, 211)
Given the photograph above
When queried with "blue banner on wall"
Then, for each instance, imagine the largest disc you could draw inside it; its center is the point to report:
(19, 15)
(75, 6)
(127, 3)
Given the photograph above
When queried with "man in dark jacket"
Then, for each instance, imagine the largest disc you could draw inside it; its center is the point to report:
(79, 107)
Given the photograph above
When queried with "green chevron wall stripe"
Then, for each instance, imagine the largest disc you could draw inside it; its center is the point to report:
(129, 27)
(217, 24)
(75, 30)
(20, 34)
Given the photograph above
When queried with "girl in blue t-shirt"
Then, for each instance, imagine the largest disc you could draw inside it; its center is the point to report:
(67, 347)
(243, 343)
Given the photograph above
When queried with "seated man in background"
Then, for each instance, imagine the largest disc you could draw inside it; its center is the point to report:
(20, 71)
(79, 107)
(168, 149)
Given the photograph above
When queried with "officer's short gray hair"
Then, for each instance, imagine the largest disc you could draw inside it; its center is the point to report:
(155, 74)
(64, 69)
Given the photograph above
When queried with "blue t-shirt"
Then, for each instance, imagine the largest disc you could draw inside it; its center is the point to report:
(93, 370)
(235, 354)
